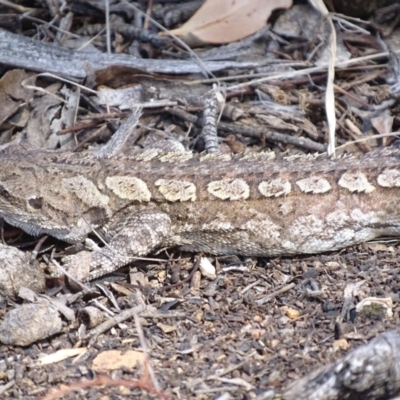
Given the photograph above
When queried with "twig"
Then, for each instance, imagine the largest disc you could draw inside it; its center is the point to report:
(280, 291)
(145, 349)
(117, 319)
(31, 54)
(252, 132)
(103, 381)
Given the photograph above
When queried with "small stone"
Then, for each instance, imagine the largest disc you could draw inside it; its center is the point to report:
(341, 344)
(291, 312)
(207, 269)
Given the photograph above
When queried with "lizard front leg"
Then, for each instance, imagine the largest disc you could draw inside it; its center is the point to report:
(129, 236)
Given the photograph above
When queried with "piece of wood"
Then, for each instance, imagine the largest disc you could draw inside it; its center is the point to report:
(30, 54)
(370, 372)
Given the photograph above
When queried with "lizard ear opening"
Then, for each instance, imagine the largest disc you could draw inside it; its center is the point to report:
(97, 215)
(4, 193)
(36, 203)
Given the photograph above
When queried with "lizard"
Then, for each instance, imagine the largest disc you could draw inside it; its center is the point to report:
(220, 204)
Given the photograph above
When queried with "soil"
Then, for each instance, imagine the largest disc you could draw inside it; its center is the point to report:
(259, 324)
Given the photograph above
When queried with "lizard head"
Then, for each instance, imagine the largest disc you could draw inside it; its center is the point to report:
(41, 194)
(35, 202)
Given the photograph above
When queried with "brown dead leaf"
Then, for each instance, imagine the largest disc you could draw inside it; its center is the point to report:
(226, 21)
(383, 123)
(115, 359)
(166, 328)
(376, 246)
(12, 93)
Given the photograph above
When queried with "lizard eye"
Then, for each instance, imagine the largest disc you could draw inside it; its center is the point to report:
(36, 203)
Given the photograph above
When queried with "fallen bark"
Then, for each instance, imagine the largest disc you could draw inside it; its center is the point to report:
(23, 52)
(370, 372)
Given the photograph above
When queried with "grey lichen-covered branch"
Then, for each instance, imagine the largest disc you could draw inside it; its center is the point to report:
(370, 372)
(23, 52)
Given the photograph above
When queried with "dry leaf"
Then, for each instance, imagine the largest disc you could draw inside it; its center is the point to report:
(226, 21)
(115, 359)
(376, 246)
(320, 6)
(383, 123)
(12, 93)
(166, 328)
(60, 355)
(124, 98)
(330, 94)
